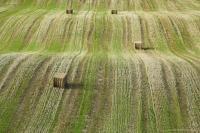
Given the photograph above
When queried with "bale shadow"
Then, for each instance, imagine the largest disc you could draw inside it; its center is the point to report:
(73, 85)
(148, 48)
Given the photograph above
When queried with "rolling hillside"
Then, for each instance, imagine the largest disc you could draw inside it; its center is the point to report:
(114, 88)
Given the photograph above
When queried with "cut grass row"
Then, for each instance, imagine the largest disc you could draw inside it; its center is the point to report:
(146, 5)
(52, 32)
(142, 94)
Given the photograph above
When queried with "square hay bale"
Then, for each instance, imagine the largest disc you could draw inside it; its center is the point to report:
(69, 11)
(114, 12)
(138, 45)
(60, 80)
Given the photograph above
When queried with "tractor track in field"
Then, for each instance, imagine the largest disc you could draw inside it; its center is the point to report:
(58, 27)
(5, 64)
(181, 91)
(60, 92)
(15, 91)
(72, 94)
(168, 80)
(144, 97)
(11, 71)
(69, 97)
(40, 93)
(99, 99)
(26, 98)
(134, 93)
(31, 29)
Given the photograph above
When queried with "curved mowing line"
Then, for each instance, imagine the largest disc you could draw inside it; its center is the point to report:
(67, 103)
(146, 117)
(13, 94)
(12, 69)
(187, 85)
(19, 117)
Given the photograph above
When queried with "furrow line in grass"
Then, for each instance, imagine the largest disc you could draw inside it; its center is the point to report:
(186, 56)
(135, 93)
(191, 91)
(182, 97)
(22, 77)
(25, 100)
(107, 120)
(6, 28)
(49, 100)
(12, 71)
(12, 98)
(4, 58)
(68, 33)
(168, 34)
(39, 108)
(74, 38)
(88, 32)
(54, 33)
(11, 19)
(47, 34)
(120, 95)
(38, 92)
(53, 97)
(15, 31)
(172, 40)
(169, 80)
(99, 101)
(117, 32)
(126, 95)
(157, 100)
(43, 28)
(36, 116)
(108, 33)
(26, 22)
(155, 40)
(81, 30)
(77, 94)
(5, 61)
(132, 31)
(73, 60)
(126, 32)
(5, 67)
(68, 69)
(145, 86)
(74, 112)
(128, 92)
(79, 125)
(183, 32)
(66, 22)
(68, 104)
(179, 34)
(31, 27)
(20, 37)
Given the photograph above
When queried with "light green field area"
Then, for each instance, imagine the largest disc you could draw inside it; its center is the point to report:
(116, 88)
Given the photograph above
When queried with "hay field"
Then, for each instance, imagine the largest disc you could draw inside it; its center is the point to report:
(116, 88)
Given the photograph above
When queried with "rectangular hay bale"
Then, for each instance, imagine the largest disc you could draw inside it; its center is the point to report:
(138, 45)
(69, 11)
(114, 12)
(60, 80)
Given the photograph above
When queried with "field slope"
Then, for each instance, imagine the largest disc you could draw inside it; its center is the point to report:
(114, 87)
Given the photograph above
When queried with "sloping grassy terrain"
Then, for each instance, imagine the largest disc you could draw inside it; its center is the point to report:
(116, 89)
